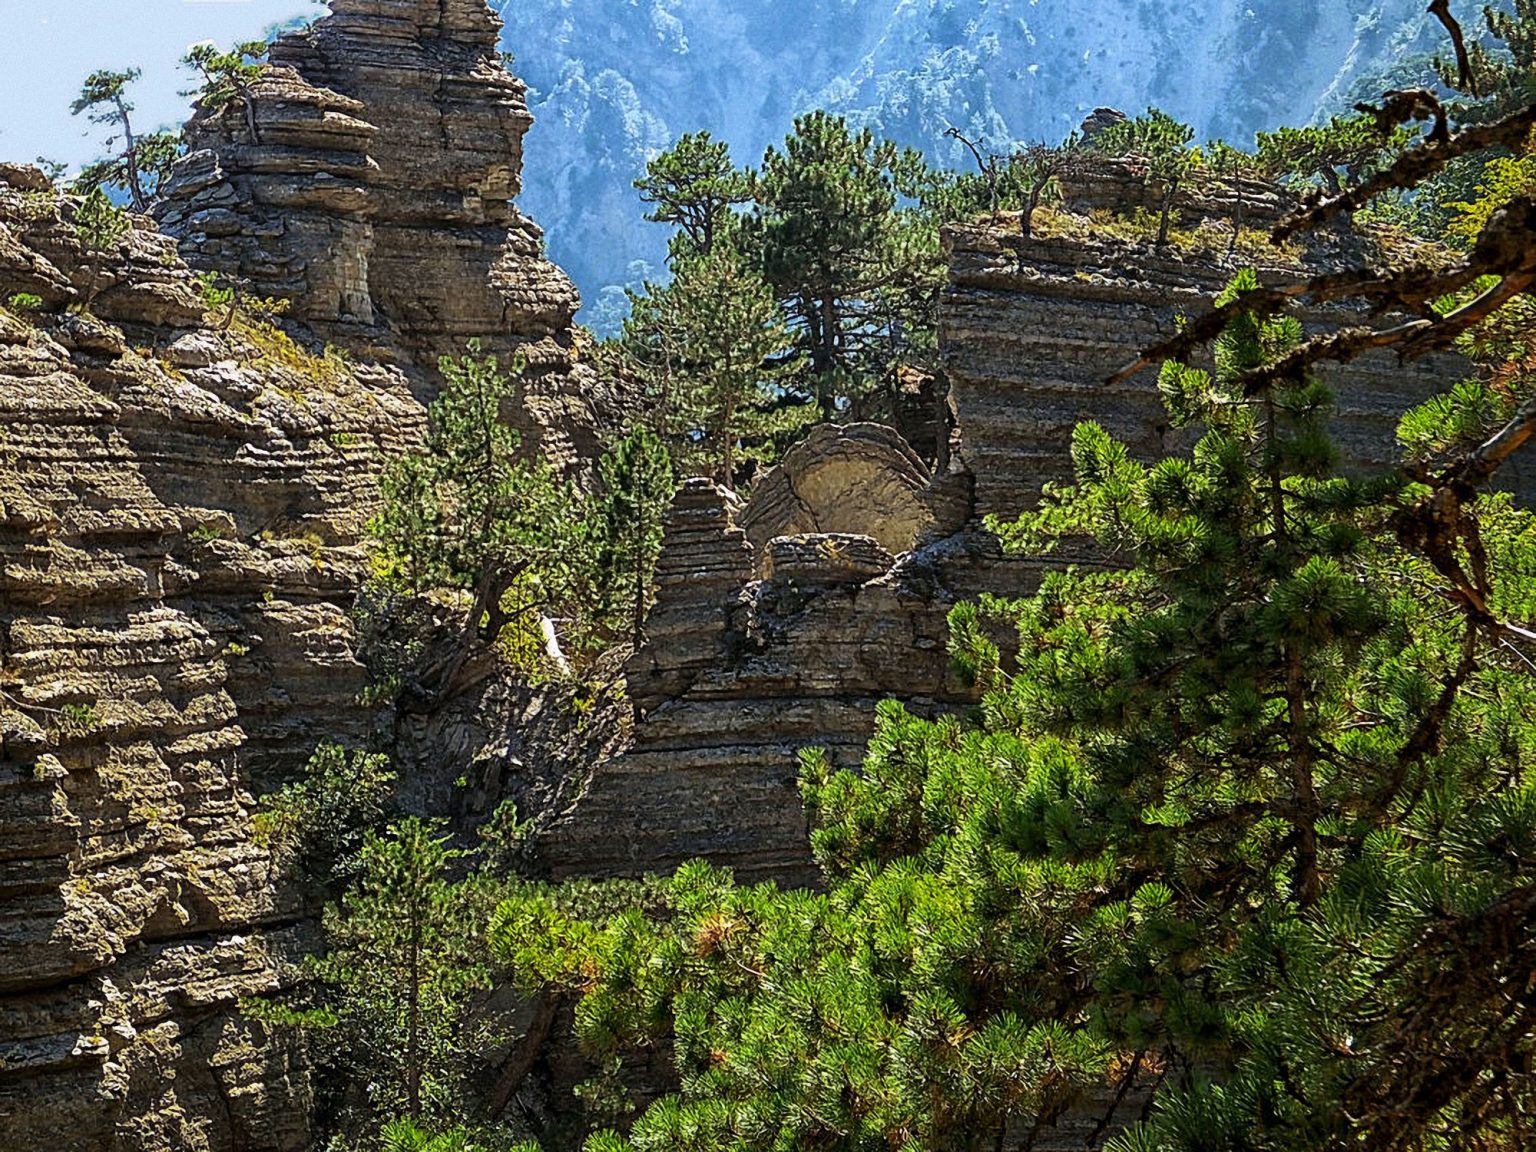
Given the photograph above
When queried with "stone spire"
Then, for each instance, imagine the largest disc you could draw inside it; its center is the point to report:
(378, 197)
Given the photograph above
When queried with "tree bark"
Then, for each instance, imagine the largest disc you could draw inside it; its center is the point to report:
(413, 1024)
(131, 157)
(521, 1062)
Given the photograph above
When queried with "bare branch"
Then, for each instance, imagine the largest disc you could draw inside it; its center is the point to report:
(1441, 11)
(1410, 170)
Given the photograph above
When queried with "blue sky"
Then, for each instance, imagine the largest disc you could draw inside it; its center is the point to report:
(48, 46)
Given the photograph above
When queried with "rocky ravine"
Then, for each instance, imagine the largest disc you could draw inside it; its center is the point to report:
(781, 623)
(180, 518)
(181, 507)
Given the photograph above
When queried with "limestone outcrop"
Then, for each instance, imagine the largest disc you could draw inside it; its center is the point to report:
(370, 180)
(783, 621)
(754, 654)
(1033, 329)
(863, 479)
(182, 503)
(180, 513)
(182, 500)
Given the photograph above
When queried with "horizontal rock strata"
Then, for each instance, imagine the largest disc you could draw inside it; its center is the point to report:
(180, 513)
(370, 180)
(1033, 329)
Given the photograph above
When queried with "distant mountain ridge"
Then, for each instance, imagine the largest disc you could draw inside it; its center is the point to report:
(615, 81)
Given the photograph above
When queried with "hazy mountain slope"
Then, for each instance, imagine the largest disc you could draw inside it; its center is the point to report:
(614, 81)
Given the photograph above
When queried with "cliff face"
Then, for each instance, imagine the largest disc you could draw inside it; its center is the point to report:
(371, 181)
(181, 510)
(181, 505)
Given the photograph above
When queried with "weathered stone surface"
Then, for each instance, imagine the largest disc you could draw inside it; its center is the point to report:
(181, 506)
(739, 674)
(180, 511)
(288, 210)
(706, 559)
(179, 523)
(1034, 328)
(376, 192)
(862, 479)
(826, 559)
(24, 177)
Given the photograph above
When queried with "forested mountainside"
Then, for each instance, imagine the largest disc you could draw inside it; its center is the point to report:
(613, 84)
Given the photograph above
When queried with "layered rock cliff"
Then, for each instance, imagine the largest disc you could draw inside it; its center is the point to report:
(370, 180)
(182, 498)
(181, 503)
(782, 622)
(180, 512)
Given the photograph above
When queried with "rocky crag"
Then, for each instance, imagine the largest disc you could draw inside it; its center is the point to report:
(182, 499)
(370, 179)
(180, 514)
(782, 622)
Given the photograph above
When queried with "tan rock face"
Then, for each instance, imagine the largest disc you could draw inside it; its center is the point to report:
(180, 513)
(754, 654)
(862, 479)
(377, 193)
(1034, 328)
(181, 510)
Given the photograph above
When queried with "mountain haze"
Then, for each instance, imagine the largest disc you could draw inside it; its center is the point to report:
(613, 83)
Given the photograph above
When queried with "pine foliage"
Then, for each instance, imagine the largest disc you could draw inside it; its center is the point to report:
(473, 512)
(400, 962)
(637, 489)
(1228, 831)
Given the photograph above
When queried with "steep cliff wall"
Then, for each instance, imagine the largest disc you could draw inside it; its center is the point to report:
(180, 510)
(1034, 328)
(738, 675)
(371, 181)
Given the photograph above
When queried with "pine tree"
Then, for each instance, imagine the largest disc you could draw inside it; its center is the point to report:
(637, 490)
(471, 512)
(831, 235)
(138, 163)
(1232, 817)
(406, 1135)
(706, 348)
(1345, 151)
(1501, 63)
(1161, 145)
(102, 229)
(228, 78)
(400, 959)
(317, 824)
(694, 186)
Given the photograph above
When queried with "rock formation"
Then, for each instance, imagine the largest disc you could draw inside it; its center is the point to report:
(755, 653)
(781, 623)
(376, 193)
(182, 498)
(860, 478)
(180, 512)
